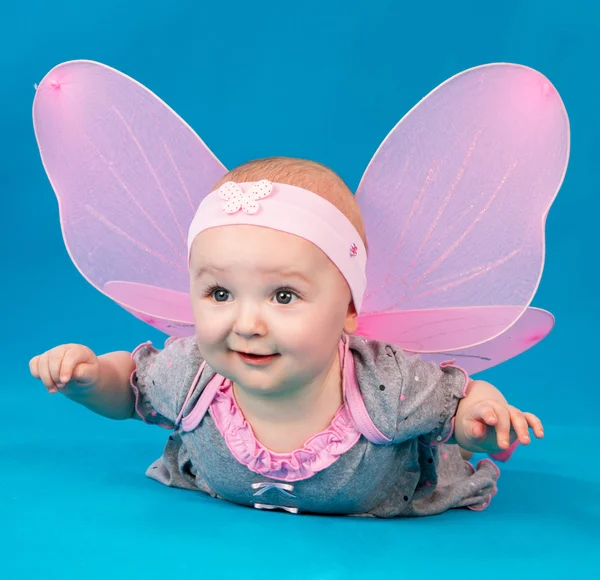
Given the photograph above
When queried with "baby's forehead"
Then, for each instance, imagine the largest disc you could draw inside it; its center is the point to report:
(262, 248)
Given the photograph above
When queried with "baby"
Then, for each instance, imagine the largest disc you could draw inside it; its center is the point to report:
(275, 403)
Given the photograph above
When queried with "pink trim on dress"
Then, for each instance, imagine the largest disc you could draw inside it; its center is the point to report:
(318, 453)
(354, 399)
(192, 389)
(192, 420)
(449, 364)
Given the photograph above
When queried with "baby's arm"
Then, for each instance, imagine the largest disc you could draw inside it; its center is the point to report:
(486, 423)
(102, 384)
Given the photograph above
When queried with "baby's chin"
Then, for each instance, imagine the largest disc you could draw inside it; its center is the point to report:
(258, 382)
(260, 389)
(264, 383)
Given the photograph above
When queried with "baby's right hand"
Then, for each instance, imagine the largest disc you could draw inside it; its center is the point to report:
(68, 365)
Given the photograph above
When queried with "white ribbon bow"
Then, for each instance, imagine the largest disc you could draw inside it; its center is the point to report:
(284, 488)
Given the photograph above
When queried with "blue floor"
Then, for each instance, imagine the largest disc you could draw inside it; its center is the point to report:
(327, 82)
(76, 504)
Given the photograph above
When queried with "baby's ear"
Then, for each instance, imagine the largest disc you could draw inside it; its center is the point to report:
(351, 319)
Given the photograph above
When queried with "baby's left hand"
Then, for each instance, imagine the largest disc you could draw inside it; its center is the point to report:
(493, 426)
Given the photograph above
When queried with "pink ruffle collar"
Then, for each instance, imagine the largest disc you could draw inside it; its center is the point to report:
(318, 452)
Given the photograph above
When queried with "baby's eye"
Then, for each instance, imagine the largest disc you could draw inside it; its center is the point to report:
(285, 296)
(220, 295)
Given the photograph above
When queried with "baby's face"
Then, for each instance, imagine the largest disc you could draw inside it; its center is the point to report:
(264, 292)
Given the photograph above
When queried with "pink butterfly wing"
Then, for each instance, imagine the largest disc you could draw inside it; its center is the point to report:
(454, 204)
(531, 328)
(417, 330)
(166, 310)
(129, 174)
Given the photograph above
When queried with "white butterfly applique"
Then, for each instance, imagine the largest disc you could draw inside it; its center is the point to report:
(247, 201)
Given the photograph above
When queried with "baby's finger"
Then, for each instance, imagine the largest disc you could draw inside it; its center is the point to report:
(55, 358)
(520, 426)
(74, 367)
(33, 366)
(478, 430)
(487, 413)
(503, 426)
(69, 361)
(45, 376)
(475, 429)
(535, 424)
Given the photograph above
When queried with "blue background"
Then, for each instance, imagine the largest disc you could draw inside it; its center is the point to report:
(319, 79)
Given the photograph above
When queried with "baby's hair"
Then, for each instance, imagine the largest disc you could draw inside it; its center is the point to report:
(303, 173)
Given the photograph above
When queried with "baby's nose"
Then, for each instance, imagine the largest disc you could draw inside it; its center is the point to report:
(249, 322)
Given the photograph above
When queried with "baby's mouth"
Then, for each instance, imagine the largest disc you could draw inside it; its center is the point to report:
(256, 359)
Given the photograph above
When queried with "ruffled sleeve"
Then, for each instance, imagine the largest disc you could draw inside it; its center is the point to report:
(428, 400)
(162, 379)
(405, 397)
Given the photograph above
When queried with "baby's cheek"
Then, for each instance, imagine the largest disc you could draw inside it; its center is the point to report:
(211, 326)
(196, 311)
(314, 337)
(207, 337)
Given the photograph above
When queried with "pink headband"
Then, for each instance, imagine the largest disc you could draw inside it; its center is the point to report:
(290, 209)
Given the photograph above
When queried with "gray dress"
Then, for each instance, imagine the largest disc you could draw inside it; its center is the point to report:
(384, 454)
